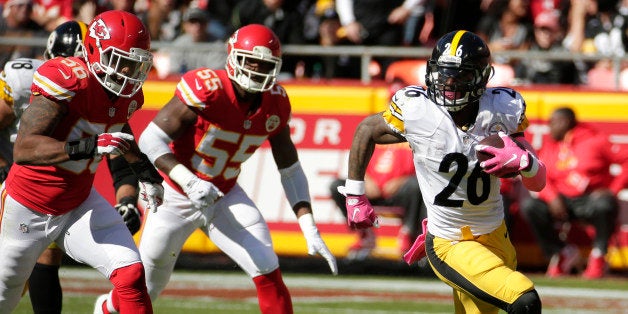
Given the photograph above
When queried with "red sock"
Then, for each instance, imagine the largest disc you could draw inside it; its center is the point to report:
(272, 294)
(129, 294)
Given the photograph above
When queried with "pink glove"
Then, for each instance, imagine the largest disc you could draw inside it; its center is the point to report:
(116, 143)
(360, 212)
(511, 158)
(417, 251)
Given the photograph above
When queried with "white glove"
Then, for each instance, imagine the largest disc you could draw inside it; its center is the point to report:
(315, 243)
(116, 143)
(202, 193)
(152, 194)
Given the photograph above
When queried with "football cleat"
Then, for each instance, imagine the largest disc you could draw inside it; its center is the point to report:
(596, 268)
(563, 263)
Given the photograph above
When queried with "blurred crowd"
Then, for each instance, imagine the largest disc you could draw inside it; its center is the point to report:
(584, 26)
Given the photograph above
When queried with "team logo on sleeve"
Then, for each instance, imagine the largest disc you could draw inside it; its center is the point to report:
(272, 123)
(132, 109)
(495, 127)
(99, 30)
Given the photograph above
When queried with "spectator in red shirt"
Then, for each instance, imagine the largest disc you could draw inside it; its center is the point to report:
(390, 181)
(579, 187)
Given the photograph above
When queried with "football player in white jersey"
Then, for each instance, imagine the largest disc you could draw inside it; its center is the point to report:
(15, 93)
(466, 242)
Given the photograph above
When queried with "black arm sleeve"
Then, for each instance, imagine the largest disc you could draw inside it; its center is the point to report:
(121, 173)
(145, 171)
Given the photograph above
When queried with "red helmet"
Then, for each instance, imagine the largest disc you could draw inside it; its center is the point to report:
(117, 52)
(249, 46)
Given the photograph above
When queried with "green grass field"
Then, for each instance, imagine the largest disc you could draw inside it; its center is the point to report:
(219, 291)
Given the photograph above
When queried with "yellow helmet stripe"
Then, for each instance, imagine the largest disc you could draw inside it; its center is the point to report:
(454, 42)
(83, 28)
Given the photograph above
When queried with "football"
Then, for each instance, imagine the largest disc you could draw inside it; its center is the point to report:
(496, 141)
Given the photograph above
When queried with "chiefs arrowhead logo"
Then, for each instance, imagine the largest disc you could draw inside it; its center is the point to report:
(99, 30)
(234, 38)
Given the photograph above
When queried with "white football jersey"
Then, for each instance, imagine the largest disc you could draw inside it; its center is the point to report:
(15, 88)
(456, 191)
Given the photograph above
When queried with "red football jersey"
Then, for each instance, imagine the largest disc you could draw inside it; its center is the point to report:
(59, 188)
(224, 136)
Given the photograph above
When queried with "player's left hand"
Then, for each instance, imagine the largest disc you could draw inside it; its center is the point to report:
(131, 215)
(508, 159)
(315, 244)
(152, 194)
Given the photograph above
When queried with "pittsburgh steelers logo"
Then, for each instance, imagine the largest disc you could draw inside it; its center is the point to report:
(495, 127)
(272, 123)
(51, 40)
(99, 30)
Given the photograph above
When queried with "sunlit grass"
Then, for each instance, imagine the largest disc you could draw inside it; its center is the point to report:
(329, 294)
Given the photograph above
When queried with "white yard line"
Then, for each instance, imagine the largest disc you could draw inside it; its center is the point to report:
(238, 280)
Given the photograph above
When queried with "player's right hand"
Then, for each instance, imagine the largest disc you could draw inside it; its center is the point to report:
(202, 193)
(116, 143)
(360, 212)
(129, 212)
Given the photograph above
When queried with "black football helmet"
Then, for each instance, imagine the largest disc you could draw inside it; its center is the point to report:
(458, 70)
(66, 40)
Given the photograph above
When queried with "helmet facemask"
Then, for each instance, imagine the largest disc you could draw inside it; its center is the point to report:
(454, 85)
(260, 80)
(122, 73)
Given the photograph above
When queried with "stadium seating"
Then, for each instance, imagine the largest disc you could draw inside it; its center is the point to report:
(413, 72)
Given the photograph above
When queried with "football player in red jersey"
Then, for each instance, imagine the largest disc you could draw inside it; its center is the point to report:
(199, 139)
(44, 288)
(78, 113)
